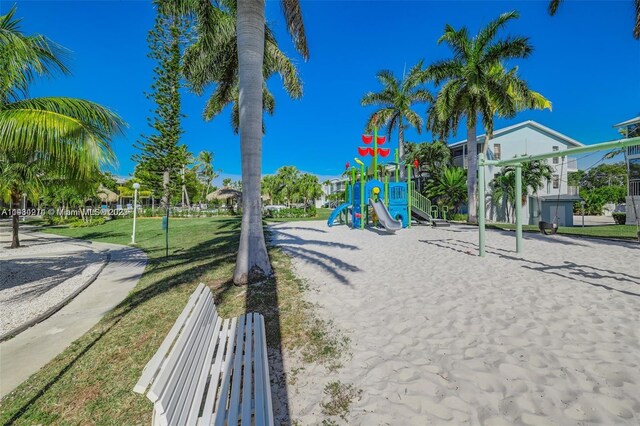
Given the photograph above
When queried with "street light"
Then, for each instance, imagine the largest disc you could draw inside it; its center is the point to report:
(136, 186)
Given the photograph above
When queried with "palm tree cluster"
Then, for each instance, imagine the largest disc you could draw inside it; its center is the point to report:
(503, 187)
(44, 139)
(474, 85)
(289, 186)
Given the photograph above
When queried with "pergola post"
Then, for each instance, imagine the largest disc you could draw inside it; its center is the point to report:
(481, 203)
(518, 200)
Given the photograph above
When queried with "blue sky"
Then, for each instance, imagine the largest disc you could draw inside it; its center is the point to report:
(585, 61)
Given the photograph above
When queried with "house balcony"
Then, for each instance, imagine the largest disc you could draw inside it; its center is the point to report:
(460, 161)
(572, 165)
(634, 188)
(573, 190)
(633, 151)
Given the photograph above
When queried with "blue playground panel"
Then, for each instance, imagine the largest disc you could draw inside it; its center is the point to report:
(397, 200)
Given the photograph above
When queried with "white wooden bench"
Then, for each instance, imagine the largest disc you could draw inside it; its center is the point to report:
(209, 370)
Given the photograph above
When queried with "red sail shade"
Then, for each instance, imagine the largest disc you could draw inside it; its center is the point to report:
(367, 139)
(382, 140)
(363, 151)
(383, 152)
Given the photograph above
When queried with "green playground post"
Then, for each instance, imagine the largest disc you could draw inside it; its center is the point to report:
(408, 192)
(481, 201)
(397, 163)
(375, 152)
(518, 200)
(386, 190)
(362, 215)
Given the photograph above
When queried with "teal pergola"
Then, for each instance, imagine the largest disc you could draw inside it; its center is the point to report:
(517, 162)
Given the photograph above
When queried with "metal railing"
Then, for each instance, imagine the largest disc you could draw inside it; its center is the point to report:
(419, 201)
(460, 161)
(572, 164)
(573, 190)
(634, 188)
(633, 150)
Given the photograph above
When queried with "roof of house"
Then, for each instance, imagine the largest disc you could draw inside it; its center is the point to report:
(528, 123)
(635, 120)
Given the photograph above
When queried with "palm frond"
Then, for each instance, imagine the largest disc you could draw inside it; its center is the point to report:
(295, 25)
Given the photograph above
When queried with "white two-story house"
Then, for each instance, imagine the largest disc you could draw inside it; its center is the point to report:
(555, 199)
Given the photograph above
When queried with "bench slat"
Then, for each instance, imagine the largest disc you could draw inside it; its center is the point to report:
(216, 371)
(223, 396)
(167, 369)
(247, 373)
(151, 369)
(194, 409)
(259, 385)
(265, 376)
(234, 399)
(180, 386)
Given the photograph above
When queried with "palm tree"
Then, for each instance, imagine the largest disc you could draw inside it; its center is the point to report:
(64, 136)
(395, 102)
(207, 172)
(449, 187)
(431, 156)
(252, 263)
(554, 4)
(476, 86)
(309, 188)
(213, 58)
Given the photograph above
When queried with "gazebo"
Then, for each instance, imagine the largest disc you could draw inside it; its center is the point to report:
(226, 194)
(106, 195)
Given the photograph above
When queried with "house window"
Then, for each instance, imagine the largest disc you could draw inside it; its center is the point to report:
(556, 181)
(496, 151)
(555, 159)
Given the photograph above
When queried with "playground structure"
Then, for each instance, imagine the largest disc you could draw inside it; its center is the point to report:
(391, 204)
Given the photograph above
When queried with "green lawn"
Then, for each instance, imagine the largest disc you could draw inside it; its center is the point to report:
(603, 231)
(91, 381)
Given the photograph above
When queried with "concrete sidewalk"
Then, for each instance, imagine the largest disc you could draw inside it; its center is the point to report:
(29, 351)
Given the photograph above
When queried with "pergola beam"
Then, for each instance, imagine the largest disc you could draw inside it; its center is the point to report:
(620, 143)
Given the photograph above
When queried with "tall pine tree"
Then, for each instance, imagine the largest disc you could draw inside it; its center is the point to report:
(159, 160)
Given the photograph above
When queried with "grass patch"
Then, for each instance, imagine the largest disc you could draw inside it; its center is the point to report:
(340, 396)
(603, 231)
(91, 382)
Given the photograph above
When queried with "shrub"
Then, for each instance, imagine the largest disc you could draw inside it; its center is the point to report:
(291, 213)
(459, 217)
(620, 218)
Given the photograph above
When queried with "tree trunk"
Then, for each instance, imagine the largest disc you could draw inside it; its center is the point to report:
(252, 262)
(472, 172)
(165, 186)
(15, 219)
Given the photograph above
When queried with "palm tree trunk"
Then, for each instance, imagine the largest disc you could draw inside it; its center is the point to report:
(15, 219)
(401, 149)
(472, 178)
(252, 262)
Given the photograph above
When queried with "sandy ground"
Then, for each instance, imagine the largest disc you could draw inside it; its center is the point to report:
(441, 336)
(40, 274)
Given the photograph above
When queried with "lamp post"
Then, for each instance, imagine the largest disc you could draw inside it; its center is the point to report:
(136, 186)
(582, 203)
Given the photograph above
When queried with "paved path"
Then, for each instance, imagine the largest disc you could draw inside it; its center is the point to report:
(26, 353)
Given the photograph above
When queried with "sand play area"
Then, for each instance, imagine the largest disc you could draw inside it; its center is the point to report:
(439, 335)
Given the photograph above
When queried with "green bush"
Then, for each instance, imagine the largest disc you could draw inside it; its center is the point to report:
(291, 213)
(459, 217)
(620, 218)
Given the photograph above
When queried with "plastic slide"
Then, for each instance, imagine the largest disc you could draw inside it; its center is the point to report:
(336, 212)
(385, 219)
